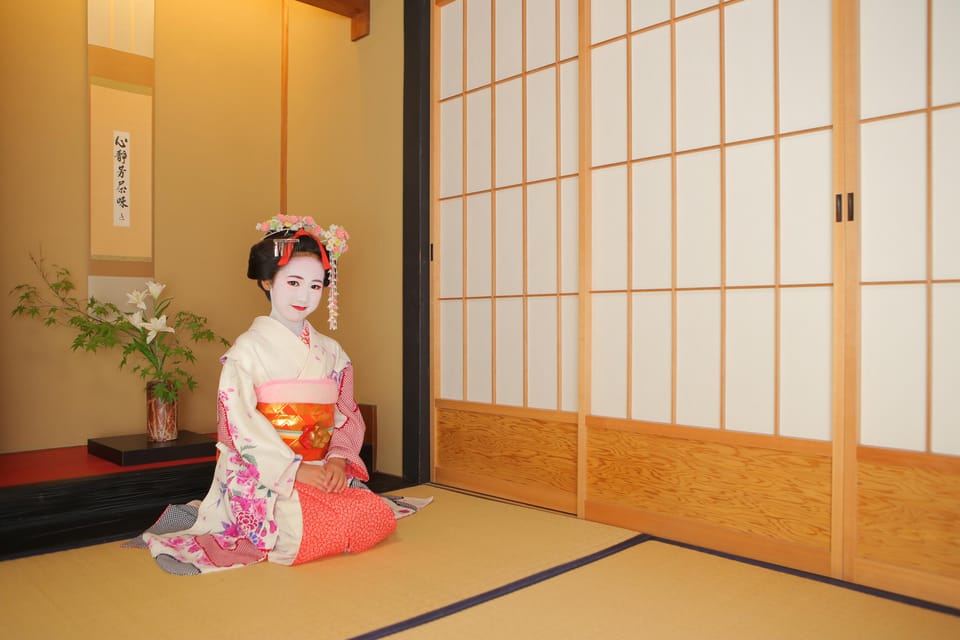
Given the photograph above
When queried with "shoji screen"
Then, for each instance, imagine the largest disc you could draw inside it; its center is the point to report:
(907, 510)
(506, 247)
(759, 291)
(712, 292)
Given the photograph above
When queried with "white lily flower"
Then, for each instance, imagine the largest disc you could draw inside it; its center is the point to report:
(138, 299)
(155, 288)
(136, 319)
(154, 326)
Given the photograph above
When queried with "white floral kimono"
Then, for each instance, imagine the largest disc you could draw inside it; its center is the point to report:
(254, 509)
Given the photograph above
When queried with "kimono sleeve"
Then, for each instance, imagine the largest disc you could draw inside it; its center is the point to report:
(250, 434)
(347, 437)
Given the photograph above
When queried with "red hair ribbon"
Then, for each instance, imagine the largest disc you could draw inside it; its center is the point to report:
(289, 244)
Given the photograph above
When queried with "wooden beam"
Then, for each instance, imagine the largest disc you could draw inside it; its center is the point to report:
(357, 10)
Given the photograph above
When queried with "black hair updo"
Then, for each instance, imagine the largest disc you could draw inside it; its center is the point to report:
(263, 265)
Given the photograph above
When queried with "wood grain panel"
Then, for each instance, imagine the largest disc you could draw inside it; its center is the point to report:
(815, 559)
(909, 516)
(918, 584)
(491, 452)
(777, 494)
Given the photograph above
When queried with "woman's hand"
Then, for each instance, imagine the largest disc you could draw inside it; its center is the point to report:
(330, 477)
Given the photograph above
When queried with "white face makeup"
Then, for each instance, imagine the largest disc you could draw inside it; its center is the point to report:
(296, 291)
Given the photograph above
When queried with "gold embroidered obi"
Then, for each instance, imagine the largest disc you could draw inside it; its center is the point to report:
(302, 412)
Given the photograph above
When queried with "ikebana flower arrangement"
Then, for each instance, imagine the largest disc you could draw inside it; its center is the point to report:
(158, 341)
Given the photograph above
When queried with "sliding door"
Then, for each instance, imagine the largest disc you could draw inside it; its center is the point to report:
(904, 523)
(506, 248)
(712, 276)
(695, 273)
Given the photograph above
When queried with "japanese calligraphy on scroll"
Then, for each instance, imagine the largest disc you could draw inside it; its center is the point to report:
(121, 178)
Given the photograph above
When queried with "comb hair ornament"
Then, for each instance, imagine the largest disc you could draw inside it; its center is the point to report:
(332, 241)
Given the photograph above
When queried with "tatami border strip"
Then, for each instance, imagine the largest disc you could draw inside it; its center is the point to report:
(552, 572)
(872, 591)
(506, 589)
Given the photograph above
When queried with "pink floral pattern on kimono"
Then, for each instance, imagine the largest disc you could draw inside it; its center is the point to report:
(252, 511)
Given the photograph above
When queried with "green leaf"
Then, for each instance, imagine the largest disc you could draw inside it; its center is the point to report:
(100, 324)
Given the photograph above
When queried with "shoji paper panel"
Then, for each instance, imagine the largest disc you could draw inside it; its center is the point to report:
(805, 64)
(698, 81)
(451, 50)
(893, 56)
(644, 13)
(509, 263)
(569, 28)
(478, 43)
(569, 235)
(478, 140)
(748, 69)
(479, 254)
(894, 201)
(509, 38)
(946, 52)
(569, 352)
(451, 147)
(541, 33)
(651, 357)
(542, 364)
(946, 192)
(698, 358)
(509, 352)
(698, 219)
(945, 401)
(806, 225)
(652, 224)
(608, 19)
(569, 118)
(451, 349)
(609, 196)
(509, 138)
(608, 122)
(750, 214)
(650, 100)
(689, 6)
(749, 362)
(542, 242)
(451, 248)
(541, 125)
(806, 368)
(608, 364)
(893, 366)
(479, 351)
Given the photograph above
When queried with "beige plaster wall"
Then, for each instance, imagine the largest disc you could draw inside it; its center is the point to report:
(345, 166)
(217, 173)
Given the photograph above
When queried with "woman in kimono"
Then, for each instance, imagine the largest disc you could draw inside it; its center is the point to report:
(288, 485)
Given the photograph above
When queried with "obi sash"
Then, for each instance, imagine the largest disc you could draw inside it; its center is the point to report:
(302, 412)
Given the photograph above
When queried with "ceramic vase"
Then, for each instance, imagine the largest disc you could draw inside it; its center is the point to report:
(161, 415)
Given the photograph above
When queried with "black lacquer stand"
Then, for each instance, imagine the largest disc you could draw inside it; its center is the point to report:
(137, 449)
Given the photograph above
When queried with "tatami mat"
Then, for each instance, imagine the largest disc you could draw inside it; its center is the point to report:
(458, 548)
(455, 548)
(658, 590)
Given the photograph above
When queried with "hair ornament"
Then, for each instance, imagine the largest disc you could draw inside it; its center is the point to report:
(332, 240)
